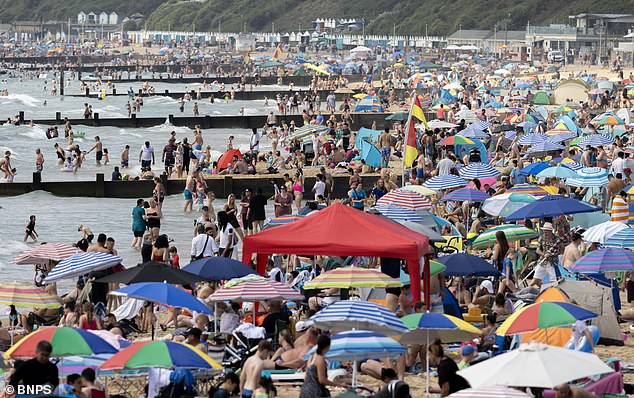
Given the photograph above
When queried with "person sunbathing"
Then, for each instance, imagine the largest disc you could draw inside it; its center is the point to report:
(294, 357)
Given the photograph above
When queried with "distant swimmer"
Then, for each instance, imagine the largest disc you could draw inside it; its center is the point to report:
(30, 230)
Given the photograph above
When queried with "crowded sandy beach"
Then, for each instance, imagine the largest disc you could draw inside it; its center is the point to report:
(409, 223)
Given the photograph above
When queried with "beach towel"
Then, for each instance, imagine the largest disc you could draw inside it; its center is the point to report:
(128, 309)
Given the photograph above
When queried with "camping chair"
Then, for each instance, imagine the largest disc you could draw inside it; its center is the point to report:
(452, 244)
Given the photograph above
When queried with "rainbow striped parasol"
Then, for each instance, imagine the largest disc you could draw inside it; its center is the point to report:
(349, 277)
(543, 315)
(160, 354)
(26, 295)
(529, 189)
(65, 342)
(604, 260)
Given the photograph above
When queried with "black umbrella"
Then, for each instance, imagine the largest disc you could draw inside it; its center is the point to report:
(151, 271)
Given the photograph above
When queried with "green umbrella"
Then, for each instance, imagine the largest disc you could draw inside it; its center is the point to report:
(399, 116)
(512, 232)
(271, 64)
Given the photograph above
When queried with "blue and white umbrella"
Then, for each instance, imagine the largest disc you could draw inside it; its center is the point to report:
(527, 126)
(561, 137)
(574, 166)
(532, 139)
(445, 182)
(545, 146)
(481, 125)
(478, 170)
(398, 213)
(590, 177)
(471, 132)
(596, 140)
(80, 264)
(362, 315)
(623, 239)
(359, 345)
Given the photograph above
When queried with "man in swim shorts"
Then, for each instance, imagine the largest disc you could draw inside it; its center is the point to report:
(98, 147)
(386, 143)
(188, 192)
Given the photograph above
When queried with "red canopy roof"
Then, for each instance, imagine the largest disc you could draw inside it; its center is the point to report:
(340, 230)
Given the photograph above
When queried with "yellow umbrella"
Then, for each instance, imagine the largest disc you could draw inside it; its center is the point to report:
(360, 96)
(420, 189)
(398, 65)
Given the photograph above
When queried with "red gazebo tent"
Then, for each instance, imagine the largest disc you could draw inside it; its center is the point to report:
(340, 230)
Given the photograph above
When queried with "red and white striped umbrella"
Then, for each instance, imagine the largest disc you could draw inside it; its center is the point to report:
(490, 392)
(405, 198)
(46, 252)
(255, 288)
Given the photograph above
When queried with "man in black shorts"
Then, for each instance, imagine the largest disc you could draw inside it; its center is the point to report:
(391, 267)
(168, 155)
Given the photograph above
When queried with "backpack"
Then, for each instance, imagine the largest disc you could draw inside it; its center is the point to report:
(175, 390)
(398, 389)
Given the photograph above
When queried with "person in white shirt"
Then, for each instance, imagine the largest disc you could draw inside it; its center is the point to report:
(146, 156)
(228, 236)
(203, 245)
(618, 164)
(444, 166)
(320, 186)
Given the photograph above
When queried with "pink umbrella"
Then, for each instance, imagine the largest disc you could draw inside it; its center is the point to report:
(255, 288)
(46, 252)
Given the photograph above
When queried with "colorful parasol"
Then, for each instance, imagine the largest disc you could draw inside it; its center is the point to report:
(604, 260)
(46, 252)
(456, 140)
(26, 295)
(528, 189)
(420, 189)
(255, 288)
(512, 232)
(282, 220)
(349, 277)
(543, 315)
(65, 342)
(405, 198)
(469, 194)
(160, 354)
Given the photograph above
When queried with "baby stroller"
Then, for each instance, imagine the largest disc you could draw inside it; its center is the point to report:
(237, 349)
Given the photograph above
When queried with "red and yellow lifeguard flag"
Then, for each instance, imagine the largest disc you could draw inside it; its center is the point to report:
(411, 148)
(417, 112)
(278, 52)
(247, 58)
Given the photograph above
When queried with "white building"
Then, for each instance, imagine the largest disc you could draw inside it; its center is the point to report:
(82, 17)
(103, 18)
(113, 18)
(92, 17)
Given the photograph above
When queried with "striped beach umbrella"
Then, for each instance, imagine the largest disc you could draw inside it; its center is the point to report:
(490, 392)
(512, 232)
(160, 354)
(26, 295)
(478, 170)
(282, 220)
(532, 139)
(595, 140)
(535, 168)
(255, 288)
(46, 252)
(557, 171)
(420, 189)
(602, 232)
(481, 125)
(456, 140)
(398, 213)
(604, 260)
(528, 189)
(471, 132)
(80, 264)
(470, 194)
(590, 177)
(405, 198)
(359, 345)
(545, 146)
(360, 315)
(571, 164)
(445, 182)
(561, 137)
(623, 239)
(349, 277)
(543, 315)
(65, 342)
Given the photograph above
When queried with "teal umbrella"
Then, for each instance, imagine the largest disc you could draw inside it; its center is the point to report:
(370, 154)
(399, 116)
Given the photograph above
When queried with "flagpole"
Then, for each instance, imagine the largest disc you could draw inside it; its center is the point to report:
(404, 149)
